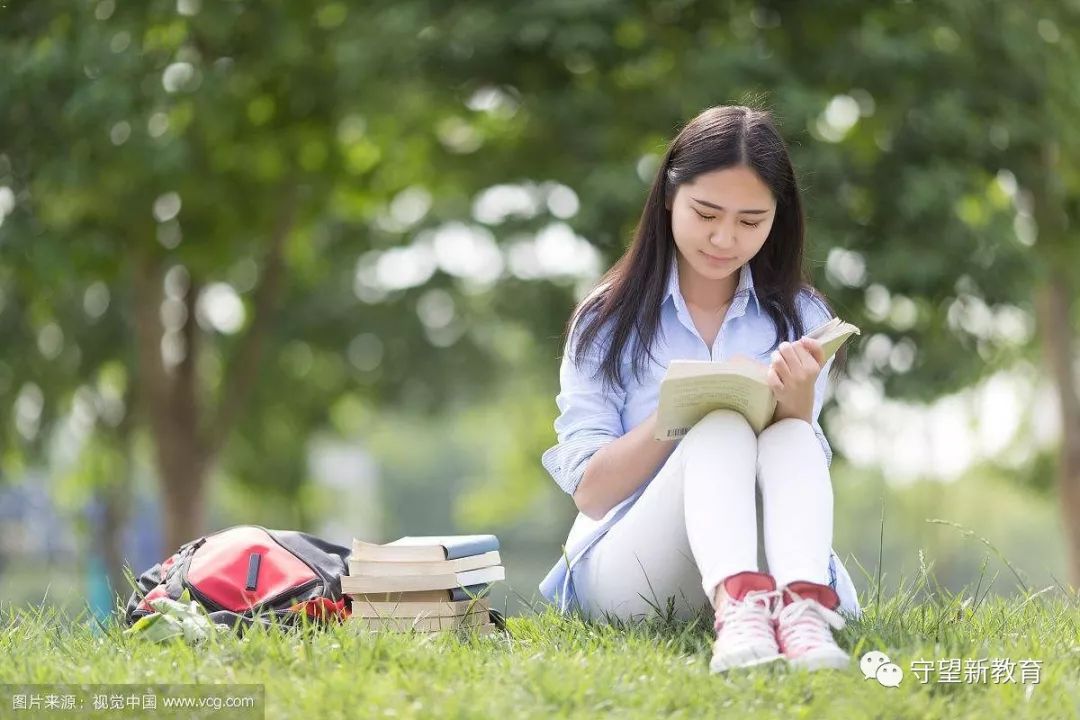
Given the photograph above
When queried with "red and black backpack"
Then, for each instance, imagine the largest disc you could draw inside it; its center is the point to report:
(247, 572)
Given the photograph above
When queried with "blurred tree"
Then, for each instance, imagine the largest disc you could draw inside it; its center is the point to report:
(188, 192)
(225, 173)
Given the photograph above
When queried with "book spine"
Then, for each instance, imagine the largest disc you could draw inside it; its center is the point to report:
(477, 546)
(470, 592)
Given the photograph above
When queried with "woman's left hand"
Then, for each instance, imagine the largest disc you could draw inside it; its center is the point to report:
(792, 373)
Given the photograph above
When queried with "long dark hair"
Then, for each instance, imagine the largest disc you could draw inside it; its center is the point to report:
(629, 295)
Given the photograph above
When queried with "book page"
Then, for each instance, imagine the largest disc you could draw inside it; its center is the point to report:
(832, 335)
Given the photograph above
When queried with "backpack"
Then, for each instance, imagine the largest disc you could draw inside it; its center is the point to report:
(247, 574)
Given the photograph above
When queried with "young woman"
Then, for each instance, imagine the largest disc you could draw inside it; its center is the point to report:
(715, 271)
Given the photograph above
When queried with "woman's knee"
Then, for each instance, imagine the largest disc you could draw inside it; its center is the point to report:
(785, 434)
(727, 424)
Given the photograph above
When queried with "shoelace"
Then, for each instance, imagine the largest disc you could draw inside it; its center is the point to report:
(806, 622)
(750, 618)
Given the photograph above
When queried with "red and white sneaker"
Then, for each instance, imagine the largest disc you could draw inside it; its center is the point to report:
(806, 613)
(745, 634)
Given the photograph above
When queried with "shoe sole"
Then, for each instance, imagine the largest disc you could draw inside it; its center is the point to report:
(715, 667)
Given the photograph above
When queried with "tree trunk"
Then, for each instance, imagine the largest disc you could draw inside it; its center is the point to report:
(116, 498)
(183, 485)
(171, 407)
(187, 439)
(1053, 305)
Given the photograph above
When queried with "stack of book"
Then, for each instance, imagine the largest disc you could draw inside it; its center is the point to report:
(424, 584)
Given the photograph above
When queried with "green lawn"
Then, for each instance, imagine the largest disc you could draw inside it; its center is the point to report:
(552, 666)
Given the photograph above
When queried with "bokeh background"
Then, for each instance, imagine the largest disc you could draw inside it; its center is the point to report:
(308, 265)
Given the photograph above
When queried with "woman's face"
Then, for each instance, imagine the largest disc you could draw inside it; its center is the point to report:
(721, 219)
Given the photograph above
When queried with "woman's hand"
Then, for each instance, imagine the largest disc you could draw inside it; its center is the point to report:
(792, 373)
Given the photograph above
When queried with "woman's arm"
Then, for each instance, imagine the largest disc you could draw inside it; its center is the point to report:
(617, 469)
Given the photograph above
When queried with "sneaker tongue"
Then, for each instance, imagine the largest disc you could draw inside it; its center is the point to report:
(805, 589)
(736, 586)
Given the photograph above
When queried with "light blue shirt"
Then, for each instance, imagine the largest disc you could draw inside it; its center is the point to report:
(591, 415)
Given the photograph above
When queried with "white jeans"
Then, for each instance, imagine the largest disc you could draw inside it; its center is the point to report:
(697, 521)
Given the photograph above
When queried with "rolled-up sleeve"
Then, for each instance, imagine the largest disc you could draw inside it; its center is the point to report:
(815, 313)
(590, 416)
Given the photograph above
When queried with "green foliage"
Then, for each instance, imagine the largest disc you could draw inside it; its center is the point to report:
(189, 134)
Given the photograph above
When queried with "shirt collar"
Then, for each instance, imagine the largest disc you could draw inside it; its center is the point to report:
(745, 287)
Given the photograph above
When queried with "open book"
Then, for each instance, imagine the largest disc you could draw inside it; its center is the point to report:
(693, 388)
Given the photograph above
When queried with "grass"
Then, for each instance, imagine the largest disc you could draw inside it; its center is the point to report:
(564, 666)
